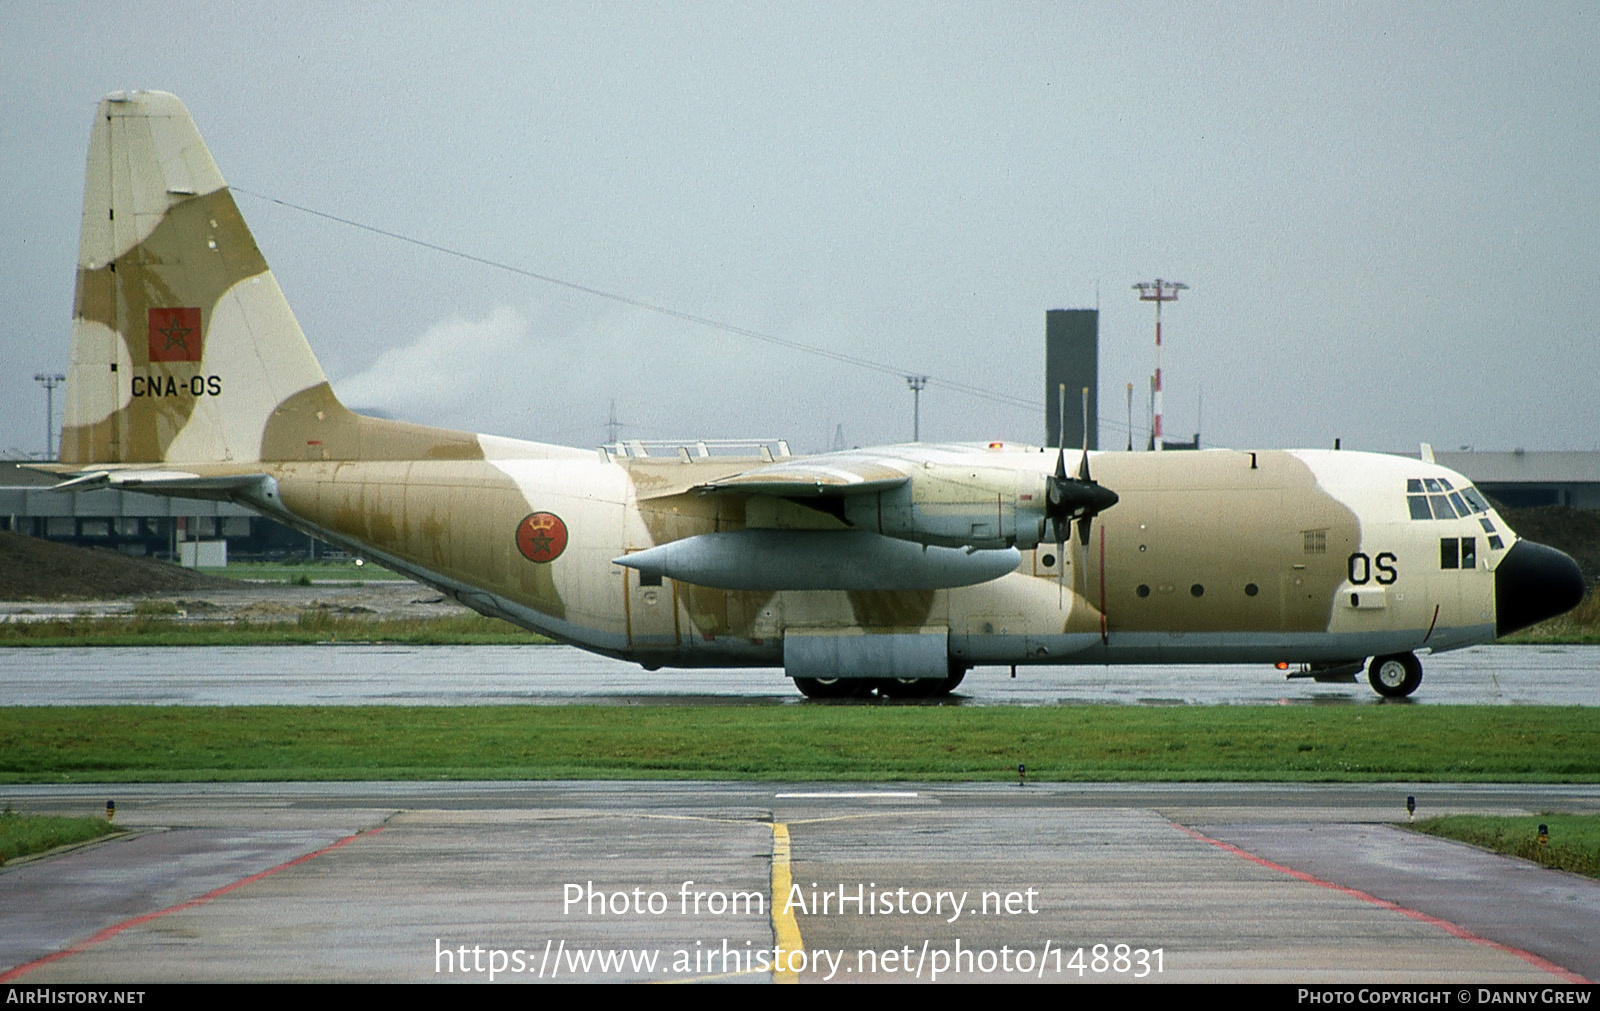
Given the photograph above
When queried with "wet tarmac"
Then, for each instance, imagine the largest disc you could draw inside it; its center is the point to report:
(351, 674)
(413, 881)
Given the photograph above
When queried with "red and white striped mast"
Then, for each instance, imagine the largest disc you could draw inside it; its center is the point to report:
(1158, 291)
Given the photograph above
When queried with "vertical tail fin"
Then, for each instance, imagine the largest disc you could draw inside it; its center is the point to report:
(183, 346)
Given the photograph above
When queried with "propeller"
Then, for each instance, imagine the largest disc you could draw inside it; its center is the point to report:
(1079, 498)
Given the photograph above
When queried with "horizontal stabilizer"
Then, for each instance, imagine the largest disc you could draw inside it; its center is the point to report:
(164, 482)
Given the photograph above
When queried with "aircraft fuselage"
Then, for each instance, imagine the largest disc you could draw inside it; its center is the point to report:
(1216, 556)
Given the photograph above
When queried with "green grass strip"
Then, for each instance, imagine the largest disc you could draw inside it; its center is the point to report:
(1574, 838)
(801, 742)
(22, 834)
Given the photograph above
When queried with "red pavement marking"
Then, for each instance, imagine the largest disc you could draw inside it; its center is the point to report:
(115, 929)
(1445, 925)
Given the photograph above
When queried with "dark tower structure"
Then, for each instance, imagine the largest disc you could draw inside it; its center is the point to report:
(1072, 356)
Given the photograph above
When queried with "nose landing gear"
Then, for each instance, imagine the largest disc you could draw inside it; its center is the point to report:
(1395, 676)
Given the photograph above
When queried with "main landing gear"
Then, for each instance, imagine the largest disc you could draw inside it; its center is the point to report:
(891, 688)
(1395, 676)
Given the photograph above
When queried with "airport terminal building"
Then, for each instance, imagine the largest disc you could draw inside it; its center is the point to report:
(138, 524)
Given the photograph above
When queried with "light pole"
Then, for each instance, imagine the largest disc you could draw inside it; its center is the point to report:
(1130, 417)
(49, 380)
(916, 383)
(1158, 291)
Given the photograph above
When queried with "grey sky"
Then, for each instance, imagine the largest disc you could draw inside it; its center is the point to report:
(1389, 214)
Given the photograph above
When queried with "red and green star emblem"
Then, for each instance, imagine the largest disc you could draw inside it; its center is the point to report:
(541, 537)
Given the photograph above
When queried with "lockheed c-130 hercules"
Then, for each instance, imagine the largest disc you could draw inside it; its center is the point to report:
(895, 569)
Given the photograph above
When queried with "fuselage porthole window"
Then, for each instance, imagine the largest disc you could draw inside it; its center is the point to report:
(1449, 553)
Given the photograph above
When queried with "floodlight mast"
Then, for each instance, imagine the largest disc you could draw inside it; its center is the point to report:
(49, 380)
(1158, 291)
(916, 384)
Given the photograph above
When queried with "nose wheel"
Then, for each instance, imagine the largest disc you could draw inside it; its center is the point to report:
(1395, 676)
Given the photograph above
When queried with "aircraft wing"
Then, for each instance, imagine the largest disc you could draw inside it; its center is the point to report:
(938, 496)
(814, 477)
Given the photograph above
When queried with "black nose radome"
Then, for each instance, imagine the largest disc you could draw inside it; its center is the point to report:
(1533, 582)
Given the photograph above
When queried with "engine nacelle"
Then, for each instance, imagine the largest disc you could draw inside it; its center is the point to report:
(958, 507)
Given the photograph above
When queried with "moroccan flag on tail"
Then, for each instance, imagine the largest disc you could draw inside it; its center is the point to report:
(175, 335)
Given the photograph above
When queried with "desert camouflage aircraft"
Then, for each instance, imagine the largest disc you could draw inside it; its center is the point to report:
(894, 569)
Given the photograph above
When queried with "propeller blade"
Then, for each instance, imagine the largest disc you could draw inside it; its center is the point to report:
(1061, 568)
(1061, 437)
(1061, 415)
(1083, 462)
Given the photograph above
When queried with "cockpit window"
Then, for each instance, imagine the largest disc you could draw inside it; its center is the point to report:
(1434, 498)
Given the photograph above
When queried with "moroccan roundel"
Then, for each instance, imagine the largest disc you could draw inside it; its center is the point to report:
(541, 537)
